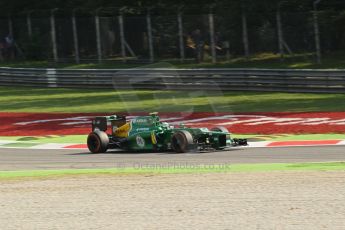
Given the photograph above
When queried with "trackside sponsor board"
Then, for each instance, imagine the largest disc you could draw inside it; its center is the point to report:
(29, 124)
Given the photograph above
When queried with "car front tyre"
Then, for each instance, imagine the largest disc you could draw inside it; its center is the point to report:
(182, 141)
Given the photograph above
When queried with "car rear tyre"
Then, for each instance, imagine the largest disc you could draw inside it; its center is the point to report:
(182, 141)
(98, 142)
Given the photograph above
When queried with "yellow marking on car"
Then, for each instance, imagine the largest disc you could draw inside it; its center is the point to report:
(123, 131)
(153, 138)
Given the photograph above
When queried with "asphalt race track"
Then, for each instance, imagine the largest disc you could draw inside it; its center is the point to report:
(20, 159)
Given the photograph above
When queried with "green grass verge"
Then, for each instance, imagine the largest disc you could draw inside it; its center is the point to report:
(19, 145)
(157, 169)
(48, 139)
(22, 99)
(82, 138)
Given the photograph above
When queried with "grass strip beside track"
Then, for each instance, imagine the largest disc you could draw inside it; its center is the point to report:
(26, 99)
(177, 169)
(49, 139)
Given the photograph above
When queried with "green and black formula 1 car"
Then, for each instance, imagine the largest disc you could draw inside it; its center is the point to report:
(148, 133)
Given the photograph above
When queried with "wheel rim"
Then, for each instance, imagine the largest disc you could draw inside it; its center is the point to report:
(176, 144)
(179, 142)
(93, 143)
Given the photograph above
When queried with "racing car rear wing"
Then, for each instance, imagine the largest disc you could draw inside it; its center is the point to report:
(101, 123)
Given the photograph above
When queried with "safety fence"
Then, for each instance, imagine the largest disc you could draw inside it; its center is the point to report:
(278, 80)
(108, 35)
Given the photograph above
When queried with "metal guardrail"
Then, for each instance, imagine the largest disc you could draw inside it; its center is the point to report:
(279, 80)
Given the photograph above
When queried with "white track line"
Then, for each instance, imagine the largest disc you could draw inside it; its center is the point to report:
(50, 146)
(341, 142)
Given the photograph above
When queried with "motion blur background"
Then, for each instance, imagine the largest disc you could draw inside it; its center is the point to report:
(140, 31)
